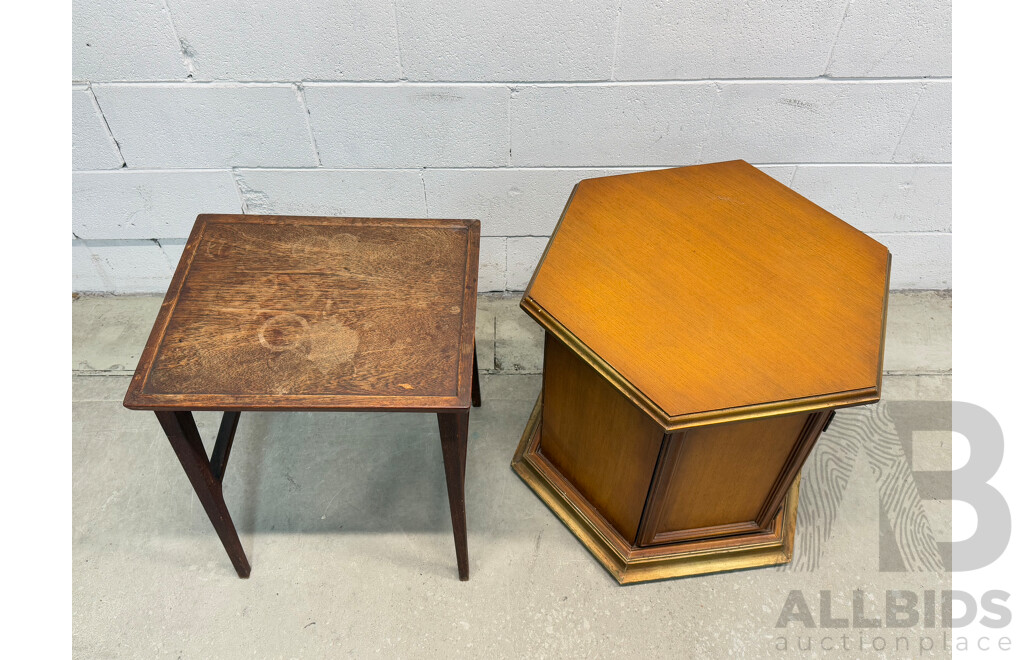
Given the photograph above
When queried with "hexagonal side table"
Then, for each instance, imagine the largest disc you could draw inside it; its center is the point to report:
(702, 325)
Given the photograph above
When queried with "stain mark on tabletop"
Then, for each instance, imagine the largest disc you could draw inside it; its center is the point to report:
(332, 344)
(283, 332)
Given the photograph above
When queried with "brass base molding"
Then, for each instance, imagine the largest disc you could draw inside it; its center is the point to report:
(629, 563)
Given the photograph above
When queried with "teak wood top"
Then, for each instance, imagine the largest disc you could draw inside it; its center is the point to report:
(715, 293)
(296, 313)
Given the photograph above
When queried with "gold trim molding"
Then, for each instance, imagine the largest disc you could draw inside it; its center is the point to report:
(629, 564)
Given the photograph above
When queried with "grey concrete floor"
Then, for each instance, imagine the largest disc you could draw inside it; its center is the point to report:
(345, 521)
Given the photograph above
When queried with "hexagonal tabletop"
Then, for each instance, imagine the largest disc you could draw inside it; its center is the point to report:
(714, 292)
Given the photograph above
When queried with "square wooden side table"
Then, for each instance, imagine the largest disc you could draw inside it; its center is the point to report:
(289, 313)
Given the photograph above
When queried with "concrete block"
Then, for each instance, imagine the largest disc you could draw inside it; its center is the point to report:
(217, 125)
(781, 173)
(124, 41)
(928, 135)
(173, 248)
(694, 40)
(628, 125)
(919, 260)
(816, 122)
(492, 264)
(882, 38)
(409, 126)
(368, 193)
(92, 147)
(507, 201)
(883, 198)
(133, 266)
(519, 202)
(498, 41)
(276, 40)
(524, 254)
(150, 204)
(85, 275)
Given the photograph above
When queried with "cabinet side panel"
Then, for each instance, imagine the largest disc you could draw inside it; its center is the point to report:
(596, 438)
(721, 476)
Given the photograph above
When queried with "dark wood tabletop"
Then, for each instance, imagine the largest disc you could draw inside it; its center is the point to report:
(304, 313)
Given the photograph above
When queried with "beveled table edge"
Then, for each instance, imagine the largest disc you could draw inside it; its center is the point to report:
(136, 399)
(671, 423)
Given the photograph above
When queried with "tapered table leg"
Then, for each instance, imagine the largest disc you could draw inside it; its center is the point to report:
(454, 429)
(476, 381)
(183, 435)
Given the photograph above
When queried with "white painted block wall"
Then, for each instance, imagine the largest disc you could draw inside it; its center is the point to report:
(494, 110)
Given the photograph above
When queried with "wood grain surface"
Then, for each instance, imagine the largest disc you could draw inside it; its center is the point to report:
(629, 563)
(601, 443)
(299, 313)
(714, 287)
(716, 480)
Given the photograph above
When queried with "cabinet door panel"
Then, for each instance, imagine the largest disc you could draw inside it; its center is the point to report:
(601, 443)
(719, 480)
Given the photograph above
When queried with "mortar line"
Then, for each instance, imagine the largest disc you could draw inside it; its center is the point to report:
(185, 57)
(166, 256)
(903, 198)
(615, 47)
(835, 42)
(924, 232)
(110, 242)
(504, 243)
(128, 241)
(423, 184)
(503, 294)
(910, 118)
(493, 371)
(508, 121)
(624, 168)
(98, 263)
(398, 40)
(301, 93)
(124, 373)
(706, 128)
(106, 125)
(236, 177)
(401, 82)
